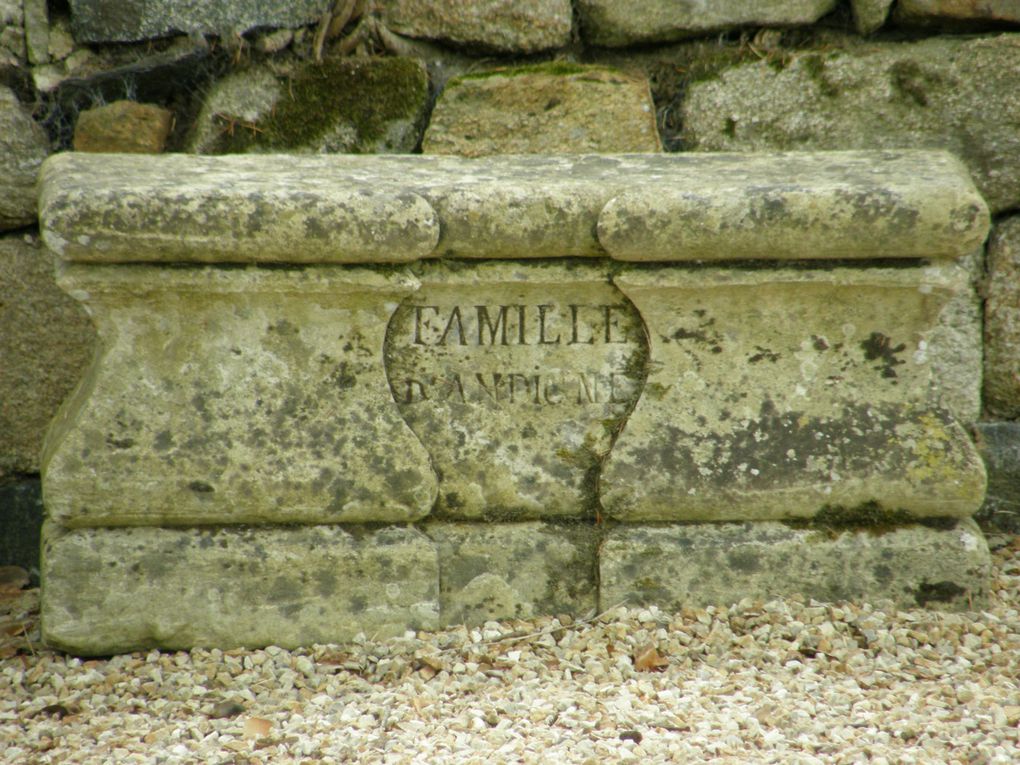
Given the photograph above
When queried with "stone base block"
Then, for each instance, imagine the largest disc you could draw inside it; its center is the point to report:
(114, 590)
(514, 571)
(705, 564)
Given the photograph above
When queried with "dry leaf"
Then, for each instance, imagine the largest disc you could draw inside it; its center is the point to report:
(648, 659)
(12, 580)
(256, 727)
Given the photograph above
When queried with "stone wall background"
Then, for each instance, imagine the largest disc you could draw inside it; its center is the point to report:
(479, 77)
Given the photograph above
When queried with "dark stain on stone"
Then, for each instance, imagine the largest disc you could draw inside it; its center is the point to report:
(342, 378)
(938, 592)
(879, 347)
(763, 354)
(744, 561)
(201, 487)
(883, 574)
(163, 441)
(283, 328)
(358, 603)
(119, 443)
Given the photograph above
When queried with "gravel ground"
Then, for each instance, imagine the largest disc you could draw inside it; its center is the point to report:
(784, 681)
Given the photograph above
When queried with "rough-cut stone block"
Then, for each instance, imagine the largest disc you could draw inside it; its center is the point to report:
(116, 590)
(936, 11)
(516, 377)
(351, 209)
(123, 127)
(128, 20)
(613, 23)
(999, 444)
(869, 15)
(708, 564)
(1002, 320)
(342, 104)
(521, 26)
(543, 109)
(180, 208)
(957, 94)
(784, 394)
(46, 341)
(513, 570)
(235, 396)
(23, 147)
(800, 206)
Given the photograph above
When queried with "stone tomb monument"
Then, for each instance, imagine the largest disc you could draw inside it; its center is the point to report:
(370, 394)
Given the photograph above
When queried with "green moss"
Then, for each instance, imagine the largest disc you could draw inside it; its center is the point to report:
(368, 95)
(912, 82)
(814, 65)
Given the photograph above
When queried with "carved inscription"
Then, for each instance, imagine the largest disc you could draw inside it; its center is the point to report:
(495, 326)
(516, 379)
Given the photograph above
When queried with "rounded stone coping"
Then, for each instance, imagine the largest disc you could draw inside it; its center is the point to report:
(348, 209)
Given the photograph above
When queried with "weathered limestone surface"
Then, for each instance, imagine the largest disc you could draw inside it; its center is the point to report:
(123, 126)
(235, 396)
(127, 20)
(999, 444)
(177, 208)
(612, 23)
(784, 394)
(779, 207)
(930, 11)
(115, 590)
(543, 109)
(954, 344)
(949, 93)
(1002, 320)
(708, 564)
(350, 209)
(516, 377)
(339, 105)
(522, 26)
(23, 147)
(46, 341)
(514, 570)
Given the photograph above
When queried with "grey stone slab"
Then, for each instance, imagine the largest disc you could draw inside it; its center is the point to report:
(111, 591)
(46, 342)
(1002, 320)
(708, 564)
(23, 147)
(999, 444)
(349, 209)
(129, 20)
(235, 396)
(516, 377)
(957, 94)
(543, 109)
(37, 31)
(782, 394)
(800, 206)
(612, 23)
(514, 570)
(523, 26)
